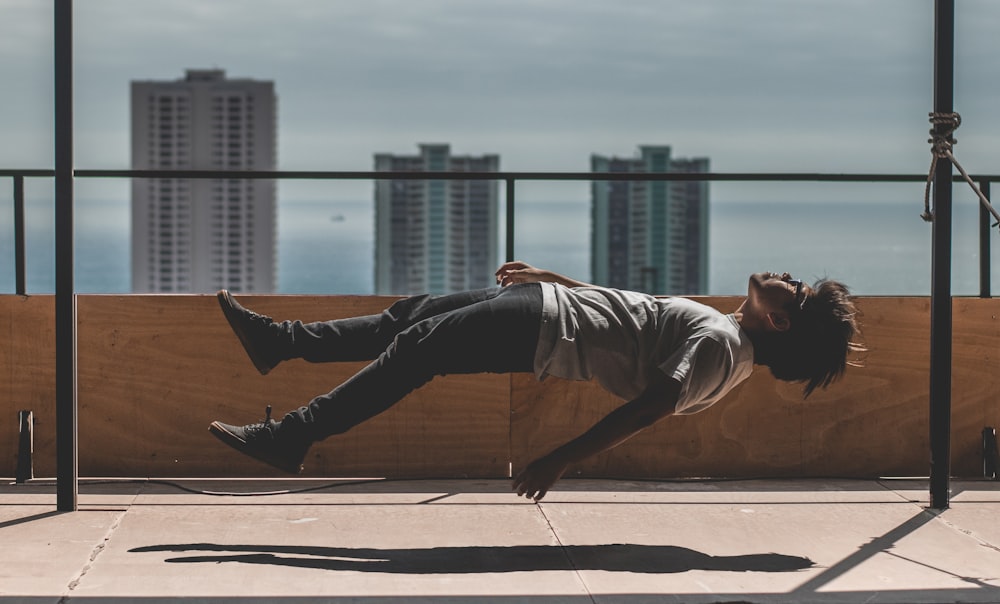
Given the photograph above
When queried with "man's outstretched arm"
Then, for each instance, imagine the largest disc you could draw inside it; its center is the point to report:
(618, 426)
(522, 272)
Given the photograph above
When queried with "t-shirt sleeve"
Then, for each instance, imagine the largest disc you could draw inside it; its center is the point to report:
(701, 367)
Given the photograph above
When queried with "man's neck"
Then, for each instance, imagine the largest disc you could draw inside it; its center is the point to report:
(739, 315)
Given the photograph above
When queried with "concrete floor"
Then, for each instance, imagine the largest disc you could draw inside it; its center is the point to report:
(474, 541)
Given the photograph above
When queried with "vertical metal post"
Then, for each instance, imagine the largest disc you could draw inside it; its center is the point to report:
(19, 279)
(984, 243)
(510, 220)
(66, 408)
(941, 316)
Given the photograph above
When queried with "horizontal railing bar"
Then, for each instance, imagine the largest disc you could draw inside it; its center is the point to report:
(449, 175)
(552, 176)
(27, 173)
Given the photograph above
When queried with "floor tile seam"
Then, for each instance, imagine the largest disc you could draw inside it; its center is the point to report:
(969, 533)
(565, 551)
(903, 498)
(88, 564)
(98, 548)
(939, 516)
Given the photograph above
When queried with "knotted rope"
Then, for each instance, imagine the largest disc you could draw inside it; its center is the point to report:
(942, 142)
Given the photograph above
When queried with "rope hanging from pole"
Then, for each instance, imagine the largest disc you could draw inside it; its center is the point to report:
(942, 141)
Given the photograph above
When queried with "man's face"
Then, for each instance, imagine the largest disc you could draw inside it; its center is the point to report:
(775, 291)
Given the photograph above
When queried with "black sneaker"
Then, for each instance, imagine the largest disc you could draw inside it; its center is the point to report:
(261, 441)
(256, 332)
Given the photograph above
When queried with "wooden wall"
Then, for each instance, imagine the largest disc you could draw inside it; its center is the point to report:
(154, 371)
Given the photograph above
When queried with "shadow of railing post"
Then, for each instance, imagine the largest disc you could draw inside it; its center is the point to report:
(877, 545)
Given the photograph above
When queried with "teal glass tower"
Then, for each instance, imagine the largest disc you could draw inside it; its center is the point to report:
(650, 236)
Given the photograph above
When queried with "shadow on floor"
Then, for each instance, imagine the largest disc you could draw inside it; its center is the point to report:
(492, 559)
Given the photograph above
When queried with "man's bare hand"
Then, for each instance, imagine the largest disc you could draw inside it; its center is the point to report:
(657, 402)
(535, 481)
(519, 272)
(522, 272)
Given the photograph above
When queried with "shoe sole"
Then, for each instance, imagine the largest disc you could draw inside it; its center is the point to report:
(219, 430)
(228, 305)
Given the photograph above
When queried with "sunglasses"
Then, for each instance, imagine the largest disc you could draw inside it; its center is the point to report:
(799, 298)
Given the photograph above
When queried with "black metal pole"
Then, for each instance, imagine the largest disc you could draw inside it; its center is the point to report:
(510, 220)
(67, 477)
(19, 279)
(940, 379)
(984, 243)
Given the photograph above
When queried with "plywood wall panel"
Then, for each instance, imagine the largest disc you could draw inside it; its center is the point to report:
(27, 367)
(154, 371)
(975, 380)
(873, 422)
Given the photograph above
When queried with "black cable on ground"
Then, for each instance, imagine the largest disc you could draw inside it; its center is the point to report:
(348, 483)
(186, 489)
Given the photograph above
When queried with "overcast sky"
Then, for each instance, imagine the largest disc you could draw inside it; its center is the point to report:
(767, 85)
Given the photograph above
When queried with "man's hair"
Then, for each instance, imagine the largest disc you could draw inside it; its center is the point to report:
(815, 348)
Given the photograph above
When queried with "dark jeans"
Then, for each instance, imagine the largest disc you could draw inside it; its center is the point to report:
(491, 330)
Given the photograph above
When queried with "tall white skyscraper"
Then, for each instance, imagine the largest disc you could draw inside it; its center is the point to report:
(199, 235)
(435, 236)
(650, 236)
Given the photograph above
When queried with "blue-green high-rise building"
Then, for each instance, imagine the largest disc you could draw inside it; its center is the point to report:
(650, 236)
(435, 236)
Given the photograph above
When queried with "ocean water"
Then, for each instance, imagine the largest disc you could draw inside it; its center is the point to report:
(878, 248)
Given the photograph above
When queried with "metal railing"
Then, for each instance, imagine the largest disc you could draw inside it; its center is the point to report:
(510, 179)
(66, 411)
(17, 177)
(64, 174)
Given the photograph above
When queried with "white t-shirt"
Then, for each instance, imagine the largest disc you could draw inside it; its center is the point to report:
(620, 337)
